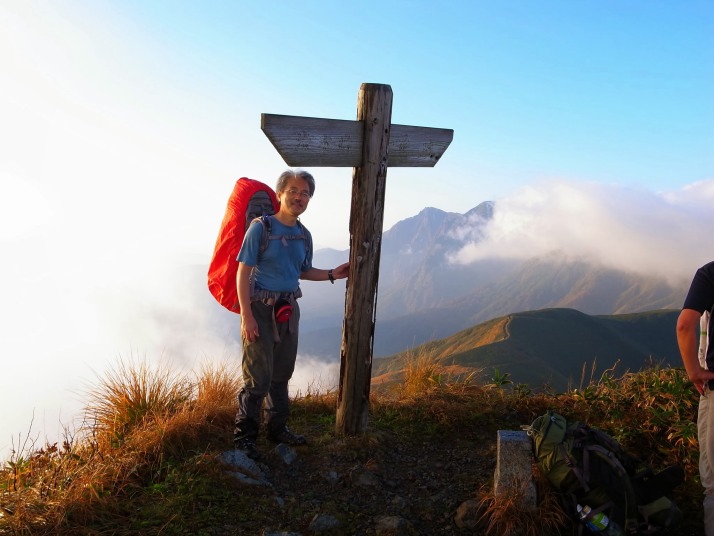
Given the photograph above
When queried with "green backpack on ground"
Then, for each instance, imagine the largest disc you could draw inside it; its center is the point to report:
(589, 468)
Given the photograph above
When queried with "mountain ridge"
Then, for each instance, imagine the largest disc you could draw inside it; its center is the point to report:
(550, 346)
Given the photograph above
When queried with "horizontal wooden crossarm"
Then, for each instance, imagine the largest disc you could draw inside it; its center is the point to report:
(314, 142)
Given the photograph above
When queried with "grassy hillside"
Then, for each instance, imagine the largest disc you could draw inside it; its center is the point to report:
(557, 347)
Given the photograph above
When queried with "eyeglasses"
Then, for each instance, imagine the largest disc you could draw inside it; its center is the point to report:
(295, 191)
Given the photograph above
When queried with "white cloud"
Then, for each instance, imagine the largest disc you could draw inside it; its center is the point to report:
(23, 208)
(660, 234)
(313, 375)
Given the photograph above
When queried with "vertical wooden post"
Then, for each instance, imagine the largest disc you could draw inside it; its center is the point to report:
(368, 145)
(374, 110)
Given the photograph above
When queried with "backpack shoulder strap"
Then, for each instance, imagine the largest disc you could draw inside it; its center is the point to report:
(268, 235)
(628, 490)
(265, 237)
(308, 240)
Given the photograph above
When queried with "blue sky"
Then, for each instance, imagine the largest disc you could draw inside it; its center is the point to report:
(125, 124)
(613, 91)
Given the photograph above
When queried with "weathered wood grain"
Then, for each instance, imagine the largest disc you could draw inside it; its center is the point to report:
(315, 142)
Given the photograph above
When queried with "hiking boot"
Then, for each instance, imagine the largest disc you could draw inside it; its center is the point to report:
(247, 446)
(287, 437)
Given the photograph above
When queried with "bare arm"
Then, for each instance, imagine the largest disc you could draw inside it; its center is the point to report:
(248, 325)
(688, 341)
(320, 274)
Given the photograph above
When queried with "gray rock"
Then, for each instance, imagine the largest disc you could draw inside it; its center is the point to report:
(323, 522)
(332, 477)
(467, 515)
(364, 478)
(392, 526)
(248, 471)
(286, 453)
(247, 480)
(400, 502)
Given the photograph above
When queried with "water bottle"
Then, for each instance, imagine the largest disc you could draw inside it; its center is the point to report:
(599, 522)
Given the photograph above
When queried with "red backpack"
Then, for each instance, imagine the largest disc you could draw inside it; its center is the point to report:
(250, 199)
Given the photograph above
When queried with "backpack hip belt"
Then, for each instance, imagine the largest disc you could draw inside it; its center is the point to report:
(269, 297)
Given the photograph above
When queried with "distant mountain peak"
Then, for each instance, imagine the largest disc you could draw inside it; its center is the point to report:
(428, 210)
(483, 210)
(433, 224)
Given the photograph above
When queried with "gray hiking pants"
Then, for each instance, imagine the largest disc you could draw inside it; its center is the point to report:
(705, 425)
(268, 364)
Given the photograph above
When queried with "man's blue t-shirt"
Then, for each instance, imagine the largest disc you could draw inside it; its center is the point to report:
(279, 267)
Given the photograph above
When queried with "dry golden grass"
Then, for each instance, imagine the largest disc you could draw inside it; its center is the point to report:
(510, 514)
(423, 374)
(137, 418)
(218, 385)
(131, 395)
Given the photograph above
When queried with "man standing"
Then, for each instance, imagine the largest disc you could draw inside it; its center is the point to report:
(268, 288)
(693, 325)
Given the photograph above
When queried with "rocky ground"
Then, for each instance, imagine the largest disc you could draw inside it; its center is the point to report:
(378, 485)
(382, 484)
(424, 467)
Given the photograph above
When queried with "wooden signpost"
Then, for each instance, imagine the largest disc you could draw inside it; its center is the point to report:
(369, 145)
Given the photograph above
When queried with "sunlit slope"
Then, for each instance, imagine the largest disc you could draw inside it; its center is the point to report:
(552, 346)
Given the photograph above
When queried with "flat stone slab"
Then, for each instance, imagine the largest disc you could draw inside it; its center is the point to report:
(514, 466)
